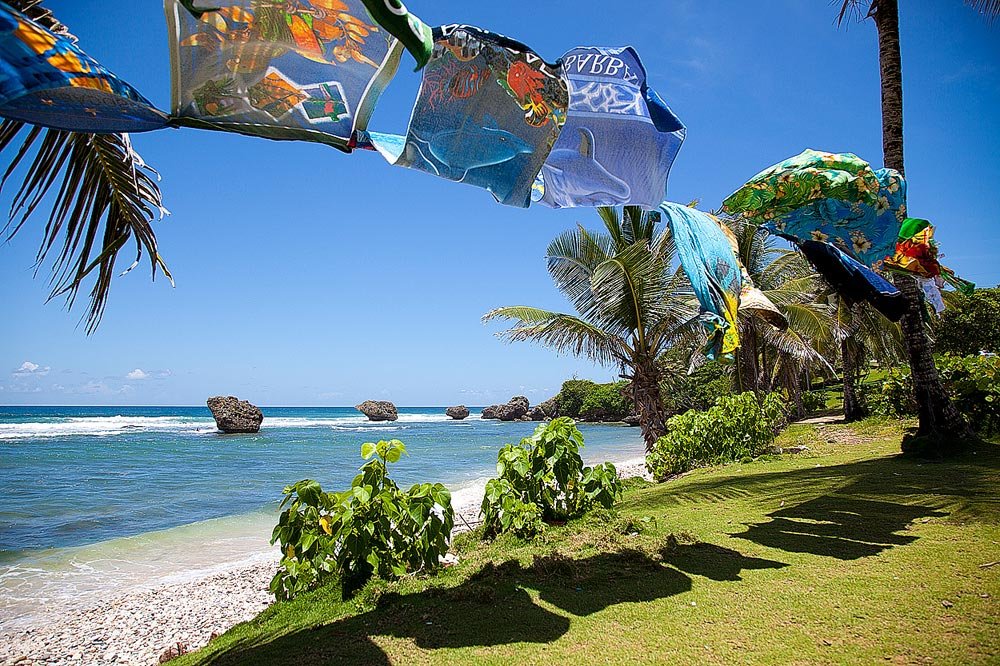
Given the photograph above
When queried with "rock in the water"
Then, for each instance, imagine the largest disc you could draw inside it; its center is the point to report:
(378, 410)
(550, 408)
(233, 415)
(631, 419)
(490, 412)
(536, 413)
(514, 410)
(519, 402)
(458, 412)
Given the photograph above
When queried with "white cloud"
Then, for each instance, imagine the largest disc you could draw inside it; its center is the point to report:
(30, 369)
(138, 373)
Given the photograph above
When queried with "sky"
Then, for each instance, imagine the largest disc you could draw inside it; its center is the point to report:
(305, 276)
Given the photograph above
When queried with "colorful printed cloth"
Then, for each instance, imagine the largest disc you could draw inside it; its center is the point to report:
(916, 255)
(808, 177)
(415, 35)
(854, 281)
(857, 209)
(753, 299)
(301, 69)
(620, 139)
(709, 262)
(488, 112)
(45, 79)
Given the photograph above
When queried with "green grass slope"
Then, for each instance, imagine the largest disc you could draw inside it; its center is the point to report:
(847, 553)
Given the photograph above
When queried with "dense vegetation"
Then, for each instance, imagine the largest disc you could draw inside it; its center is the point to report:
(972, 381)
(970, 324)
(739, 427)
(584, 400)
(371, 529)
(543, 480)
(831, 547)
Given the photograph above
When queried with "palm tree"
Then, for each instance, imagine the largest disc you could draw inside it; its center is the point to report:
(631, 304)
(770, 357)
(942, 428)
(106, 197)
(862, 335)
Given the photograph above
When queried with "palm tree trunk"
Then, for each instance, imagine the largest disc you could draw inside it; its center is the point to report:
(942, 427)
(648, 403)
(853, 409)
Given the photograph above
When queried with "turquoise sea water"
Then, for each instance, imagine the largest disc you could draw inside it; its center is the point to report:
(99, 498)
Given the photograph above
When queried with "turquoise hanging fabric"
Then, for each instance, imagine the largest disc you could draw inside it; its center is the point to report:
(619, 140)
(47, 80)
(308, 70)
(488, 112)
(709, 262)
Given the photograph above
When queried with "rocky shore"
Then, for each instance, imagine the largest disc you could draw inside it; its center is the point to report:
(141, 628)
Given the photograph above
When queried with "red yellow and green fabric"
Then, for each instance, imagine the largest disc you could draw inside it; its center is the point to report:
(917, 255)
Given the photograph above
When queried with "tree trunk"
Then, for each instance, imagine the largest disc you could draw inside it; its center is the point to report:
(942, 427)
(648, 403)
(853, 409)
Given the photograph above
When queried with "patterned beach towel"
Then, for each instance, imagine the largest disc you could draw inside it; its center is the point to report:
(488, 112)
(304, 69)
(46, 79)
(620, 139)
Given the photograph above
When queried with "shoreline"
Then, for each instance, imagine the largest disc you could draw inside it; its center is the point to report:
(137, 626)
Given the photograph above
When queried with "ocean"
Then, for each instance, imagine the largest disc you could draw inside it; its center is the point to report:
(106, 499)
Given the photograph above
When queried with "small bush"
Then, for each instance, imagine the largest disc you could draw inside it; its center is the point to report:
(571, 396)
(737, 427)
(371, 529)
(893, 396)
(543, 479)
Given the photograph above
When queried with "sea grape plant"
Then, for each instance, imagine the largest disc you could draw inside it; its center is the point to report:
(371, 529)
(543, 480)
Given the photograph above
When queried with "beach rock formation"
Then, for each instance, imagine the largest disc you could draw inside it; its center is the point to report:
(631, 420)
(233, 415)
(378, 410)
(536, 413)
(550, 408)
(516, 409)
(458, 412)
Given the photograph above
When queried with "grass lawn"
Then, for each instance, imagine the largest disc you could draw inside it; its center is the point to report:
(847, 553)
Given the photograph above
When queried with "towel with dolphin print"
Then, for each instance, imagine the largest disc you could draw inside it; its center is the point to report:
(488, 112)
(619, 140)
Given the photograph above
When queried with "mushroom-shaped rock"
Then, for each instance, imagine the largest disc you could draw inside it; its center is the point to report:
(458, 412)
(490, 412)
(233, 415)
(378, 410)
(514, 410)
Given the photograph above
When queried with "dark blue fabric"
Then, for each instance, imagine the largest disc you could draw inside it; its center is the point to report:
(854, 281)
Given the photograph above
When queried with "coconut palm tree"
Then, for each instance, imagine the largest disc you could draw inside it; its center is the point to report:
(769, 357)
(941, 428)
(105, 197)
(631, 302)
(862, 335)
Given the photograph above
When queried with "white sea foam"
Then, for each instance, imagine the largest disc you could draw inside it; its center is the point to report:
(102, 426)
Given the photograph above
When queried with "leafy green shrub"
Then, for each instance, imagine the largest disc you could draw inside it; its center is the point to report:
(814, 401)
(606, 402)
(972, 381)
(543, 479)
(737, 427)
(699, 390)
(893, 396)
(970, 323)
(974, 384)
(373, 528)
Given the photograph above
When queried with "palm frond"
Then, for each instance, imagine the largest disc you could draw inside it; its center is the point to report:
(573, 257)
(106, 198)
(563, 332)
(990, 9)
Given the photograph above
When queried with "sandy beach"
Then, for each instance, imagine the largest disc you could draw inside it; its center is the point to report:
(140, 627)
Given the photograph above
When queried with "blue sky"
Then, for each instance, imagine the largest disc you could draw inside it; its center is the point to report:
(309, 277)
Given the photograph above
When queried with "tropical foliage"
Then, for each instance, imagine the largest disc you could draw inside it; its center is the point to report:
(103, 197)
(371, 529)
(632, 304)
(970, 324)
(738, 427)
(543, 479)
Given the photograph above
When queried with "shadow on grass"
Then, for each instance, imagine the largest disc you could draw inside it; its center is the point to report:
(493, 607)
(838, 526)
(711, 561)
